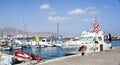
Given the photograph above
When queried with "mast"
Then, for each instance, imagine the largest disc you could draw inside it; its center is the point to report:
(25, 28)
(57, 29)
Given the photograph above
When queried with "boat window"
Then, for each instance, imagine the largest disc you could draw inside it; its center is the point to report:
(43, 40)
(83, 38)
(74, 39)
(100, 38)
(48, 40)
(94, 39)
(90, 39)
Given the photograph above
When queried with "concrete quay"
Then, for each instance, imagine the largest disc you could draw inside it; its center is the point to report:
(107, 57)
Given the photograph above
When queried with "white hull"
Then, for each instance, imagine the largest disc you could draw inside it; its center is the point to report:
(5, 48)
(71, 50)
(16, 48)
(90, 48)
(5, 59)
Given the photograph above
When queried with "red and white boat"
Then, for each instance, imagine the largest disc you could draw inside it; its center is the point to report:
(22, 56)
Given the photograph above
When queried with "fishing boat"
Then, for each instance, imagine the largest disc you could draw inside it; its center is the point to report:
(88, 42)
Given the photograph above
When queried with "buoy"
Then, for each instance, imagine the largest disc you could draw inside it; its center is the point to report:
(83, 48)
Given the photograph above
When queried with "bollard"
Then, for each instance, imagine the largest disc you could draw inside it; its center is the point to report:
(101, 47)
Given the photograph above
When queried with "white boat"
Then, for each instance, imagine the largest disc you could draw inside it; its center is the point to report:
(14, 46)
(88, 42)
(57, 44)
(5, 59)
(4, 48)
(42, 43)
(45, 43)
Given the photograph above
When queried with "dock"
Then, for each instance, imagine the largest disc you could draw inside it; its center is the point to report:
(107, 57)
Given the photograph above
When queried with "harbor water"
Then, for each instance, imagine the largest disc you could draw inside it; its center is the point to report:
(46, 53)
(51, 52)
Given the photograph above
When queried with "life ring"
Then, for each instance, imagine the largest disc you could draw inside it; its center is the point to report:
(96, 30)
(96, 24)
(83, 48)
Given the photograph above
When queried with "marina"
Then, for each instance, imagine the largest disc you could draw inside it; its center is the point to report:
(77, 59)
(39, 50)
(59, 32)
(52, 53)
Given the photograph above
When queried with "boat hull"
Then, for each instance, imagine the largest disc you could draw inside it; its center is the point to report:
(21, 56)
(71, 50)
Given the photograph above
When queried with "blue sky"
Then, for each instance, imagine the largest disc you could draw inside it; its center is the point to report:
(74, 16)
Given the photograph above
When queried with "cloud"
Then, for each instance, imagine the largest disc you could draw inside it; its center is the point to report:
(45, 6)
(88, 20)
(90, 8)
(76, 11)
(94, 12)
(57, 18)
(53, 13)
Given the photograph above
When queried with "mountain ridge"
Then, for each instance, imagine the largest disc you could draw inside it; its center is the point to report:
(15, 31)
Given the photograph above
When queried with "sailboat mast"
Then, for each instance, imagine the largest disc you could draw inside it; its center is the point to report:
(57, 29)
(25, 28)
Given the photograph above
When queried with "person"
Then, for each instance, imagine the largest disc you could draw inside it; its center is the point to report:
(96, 46)
(109, 38)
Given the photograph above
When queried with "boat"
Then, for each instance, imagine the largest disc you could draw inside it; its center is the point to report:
(57, 45)
(45, 43)
(5, 59)
(14, 46)
(22, 56)
(4, 48)
(88, 42)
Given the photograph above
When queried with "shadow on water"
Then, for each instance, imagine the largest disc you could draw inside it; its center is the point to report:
(68, 54)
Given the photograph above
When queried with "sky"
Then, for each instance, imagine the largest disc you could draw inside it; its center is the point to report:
(73, 16)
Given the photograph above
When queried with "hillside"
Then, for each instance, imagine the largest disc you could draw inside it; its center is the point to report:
(14, 31)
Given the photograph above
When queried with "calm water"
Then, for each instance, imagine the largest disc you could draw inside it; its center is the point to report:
(115, 43)
(51, 52)
(46, 53)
